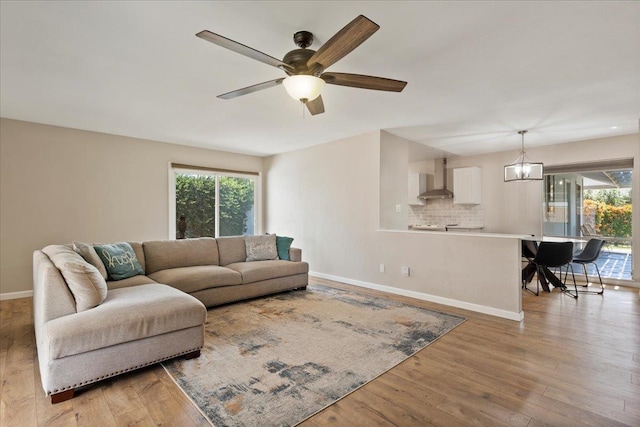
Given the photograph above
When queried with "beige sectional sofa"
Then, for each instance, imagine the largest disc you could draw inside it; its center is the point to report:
(86, 332)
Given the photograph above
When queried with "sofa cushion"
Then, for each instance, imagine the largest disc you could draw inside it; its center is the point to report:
(130, 281)
(166, 254)
(91, 256)
(85, 282)
(119, 259)
(137, 248)
(263, 270)
(283, 244)
(295, 254)
(232, 249)
(191, 279)
(127, 314)
(261, 248)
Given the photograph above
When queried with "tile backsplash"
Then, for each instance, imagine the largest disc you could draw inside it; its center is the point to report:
(443, 211)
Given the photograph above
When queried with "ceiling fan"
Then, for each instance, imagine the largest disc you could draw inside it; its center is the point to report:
(305, 67)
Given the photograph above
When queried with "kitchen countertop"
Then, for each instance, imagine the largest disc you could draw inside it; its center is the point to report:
(467, 234)
(445, 227)
(465, 227)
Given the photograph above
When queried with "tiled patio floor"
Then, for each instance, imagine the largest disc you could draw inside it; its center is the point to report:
(612, 265)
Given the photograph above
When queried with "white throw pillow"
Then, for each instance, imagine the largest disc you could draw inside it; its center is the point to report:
(261, 248)
(91, 256)
(84, 280)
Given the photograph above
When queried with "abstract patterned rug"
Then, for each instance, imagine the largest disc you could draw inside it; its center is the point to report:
(275, 361)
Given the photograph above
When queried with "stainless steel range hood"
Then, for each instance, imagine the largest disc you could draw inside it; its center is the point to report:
(440, 191)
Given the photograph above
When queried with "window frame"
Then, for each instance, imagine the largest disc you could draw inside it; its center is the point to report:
(177, 168)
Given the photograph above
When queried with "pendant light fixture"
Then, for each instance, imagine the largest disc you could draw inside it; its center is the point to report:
(523, 170)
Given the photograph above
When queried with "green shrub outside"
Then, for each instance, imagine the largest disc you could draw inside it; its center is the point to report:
(196, 198)
(613, 221)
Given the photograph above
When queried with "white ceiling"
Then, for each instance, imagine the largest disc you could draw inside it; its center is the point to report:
(477, 71)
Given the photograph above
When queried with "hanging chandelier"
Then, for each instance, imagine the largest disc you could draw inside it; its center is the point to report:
(523, 170)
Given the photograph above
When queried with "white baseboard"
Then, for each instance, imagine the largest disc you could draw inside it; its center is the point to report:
(16, 295)
(518, 317)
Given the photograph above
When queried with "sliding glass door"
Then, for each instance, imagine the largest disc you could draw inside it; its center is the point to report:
(585, 201)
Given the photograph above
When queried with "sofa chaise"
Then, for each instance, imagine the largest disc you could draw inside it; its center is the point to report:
(90, 326)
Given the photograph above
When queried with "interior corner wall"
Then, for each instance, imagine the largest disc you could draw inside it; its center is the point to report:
(58, 185)
(394, 164)
(327, 197)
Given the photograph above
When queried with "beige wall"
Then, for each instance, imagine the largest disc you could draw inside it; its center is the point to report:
(394, 155)
(328, 198)
(58, 185)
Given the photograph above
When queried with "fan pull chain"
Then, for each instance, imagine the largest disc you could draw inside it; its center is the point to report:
(302, 103)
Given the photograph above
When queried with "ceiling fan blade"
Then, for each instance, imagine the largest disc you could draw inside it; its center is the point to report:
(250, 89)
(343, 42)
(316, 106)
(363, 82)
(242, 49)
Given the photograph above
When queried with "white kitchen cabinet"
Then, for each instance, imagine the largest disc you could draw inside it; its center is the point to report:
(417, 185)
(467, 186)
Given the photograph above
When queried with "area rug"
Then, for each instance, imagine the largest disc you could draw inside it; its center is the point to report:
(275, 361)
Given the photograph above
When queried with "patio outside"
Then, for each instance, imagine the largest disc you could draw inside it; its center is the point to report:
(613, 263)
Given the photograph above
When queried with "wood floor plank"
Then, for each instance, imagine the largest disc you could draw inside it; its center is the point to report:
(494, 368)
(159, 401)
(598, 404)
(419, 402)
(92, 410)
(471, 397)
(570, 362)
(126, 406)
(17, 394)
(180, 402)
(360, 413)
(391, 409)
(331, 416)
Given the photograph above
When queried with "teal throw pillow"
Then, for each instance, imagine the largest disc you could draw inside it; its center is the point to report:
(120, 260)
(283, 244)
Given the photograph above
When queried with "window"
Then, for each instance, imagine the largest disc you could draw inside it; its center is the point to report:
(212, 203)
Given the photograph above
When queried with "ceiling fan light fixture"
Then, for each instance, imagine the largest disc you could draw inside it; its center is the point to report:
(523, 170)
(303, 88)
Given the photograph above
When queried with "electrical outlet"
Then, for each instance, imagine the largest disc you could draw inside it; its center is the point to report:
(398, 208)
(381, 268)
(405, 271)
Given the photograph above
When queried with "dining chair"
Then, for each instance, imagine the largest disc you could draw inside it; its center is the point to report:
(590, 232)
(554, 255)
(589, 255)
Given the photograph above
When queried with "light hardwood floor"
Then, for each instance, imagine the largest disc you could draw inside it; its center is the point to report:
(568, 363)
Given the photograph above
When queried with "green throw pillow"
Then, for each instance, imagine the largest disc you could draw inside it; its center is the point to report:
(283, 244)
(120, 260)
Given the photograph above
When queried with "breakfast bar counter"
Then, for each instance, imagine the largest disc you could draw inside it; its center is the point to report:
(476, 271)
